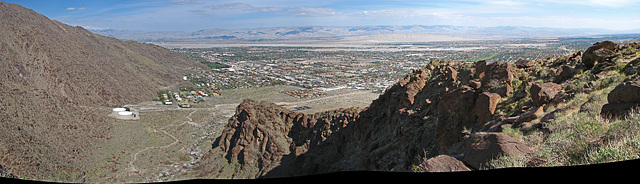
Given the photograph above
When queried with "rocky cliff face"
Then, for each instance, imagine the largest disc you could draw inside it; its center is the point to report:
(451, 112)
(53, 79)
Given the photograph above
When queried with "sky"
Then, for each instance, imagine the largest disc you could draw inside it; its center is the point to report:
(194, 15)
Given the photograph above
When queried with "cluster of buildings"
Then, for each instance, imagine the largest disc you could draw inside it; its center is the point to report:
(184, 98)
(304, 93)
(373, 68)
(350, 73)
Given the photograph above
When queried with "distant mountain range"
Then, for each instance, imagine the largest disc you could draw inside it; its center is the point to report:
(340, 32)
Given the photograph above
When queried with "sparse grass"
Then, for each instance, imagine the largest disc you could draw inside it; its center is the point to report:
(622, 142)
(583, 136)
(513, 133)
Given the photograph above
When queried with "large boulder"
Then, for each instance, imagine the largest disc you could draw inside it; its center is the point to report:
(626, 92)
(622, 99)
(486, 106)
(599, 52)
(498, 78)
(543, 93)
(443, 163)
(563, 73)
(482, 147)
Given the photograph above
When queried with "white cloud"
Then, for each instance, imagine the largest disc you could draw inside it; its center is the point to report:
(186, 2)
(244, 7)
(291, 11)
(93, 28)
(403, 13)
(598, 3)
(73, 9)
(311, 11)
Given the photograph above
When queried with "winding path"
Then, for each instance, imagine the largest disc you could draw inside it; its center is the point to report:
(132, 167)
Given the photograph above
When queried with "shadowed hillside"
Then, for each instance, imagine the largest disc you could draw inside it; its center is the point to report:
(56, 82)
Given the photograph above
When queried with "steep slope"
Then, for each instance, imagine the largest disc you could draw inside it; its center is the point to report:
(54, 78)
(446, 116)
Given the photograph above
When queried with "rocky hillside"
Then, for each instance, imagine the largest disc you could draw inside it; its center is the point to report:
(55, 77)
(446, 116)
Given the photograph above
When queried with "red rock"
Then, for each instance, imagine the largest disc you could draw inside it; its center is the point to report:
(486, 106)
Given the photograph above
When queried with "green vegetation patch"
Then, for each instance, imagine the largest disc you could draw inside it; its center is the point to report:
(215, 65)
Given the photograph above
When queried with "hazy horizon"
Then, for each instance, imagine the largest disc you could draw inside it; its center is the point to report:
(194, 15)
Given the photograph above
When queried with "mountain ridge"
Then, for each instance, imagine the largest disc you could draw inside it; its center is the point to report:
(58, 84)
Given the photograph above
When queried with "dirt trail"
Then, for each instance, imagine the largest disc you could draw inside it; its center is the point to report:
(132, 167)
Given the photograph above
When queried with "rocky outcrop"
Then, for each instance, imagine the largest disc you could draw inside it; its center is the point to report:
(261, 134)
(622, 99)
(451, 113)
